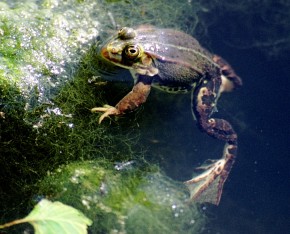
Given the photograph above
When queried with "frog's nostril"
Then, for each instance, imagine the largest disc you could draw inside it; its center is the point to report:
(114, 51)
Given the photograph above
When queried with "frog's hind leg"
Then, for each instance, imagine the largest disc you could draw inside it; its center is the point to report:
(230, 80)
(208, 186)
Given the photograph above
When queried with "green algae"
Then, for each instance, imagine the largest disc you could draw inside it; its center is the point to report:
(39, 53)
(49, 80)
(178, 14)
(37, 43)
(134, 199)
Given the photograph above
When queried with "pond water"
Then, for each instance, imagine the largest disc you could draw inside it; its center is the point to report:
(50, 78)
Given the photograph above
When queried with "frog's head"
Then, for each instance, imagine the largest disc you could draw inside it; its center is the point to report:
(124, 50)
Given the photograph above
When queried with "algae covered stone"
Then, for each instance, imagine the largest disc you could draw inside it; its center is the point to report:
(134, 199)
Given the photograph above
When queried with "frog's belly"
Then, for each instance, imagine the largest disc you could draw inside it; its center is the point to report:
(172, 86)
(174, 78)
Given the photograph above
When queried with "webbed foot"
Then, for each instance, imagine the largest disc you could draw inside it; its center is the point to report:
(205, 187)
(107, 109)
(208, 186)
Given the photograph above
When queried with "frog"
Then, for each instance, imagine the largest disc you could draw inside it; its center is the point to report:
(175, 62)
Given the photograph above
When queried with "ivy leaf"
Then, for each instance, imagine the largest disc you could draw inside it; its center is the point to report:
(54, 217)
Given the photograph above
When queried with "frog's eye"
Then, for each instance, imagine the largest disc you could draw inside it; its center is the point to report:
(132, 51)
(126, 33)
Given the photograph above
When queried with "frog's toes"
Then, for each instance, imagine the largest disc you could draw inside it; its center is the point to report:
(108, 110)
(207, 187)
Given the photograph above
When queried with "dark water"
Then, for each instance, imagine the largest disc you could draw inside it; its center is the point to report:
(257, 193)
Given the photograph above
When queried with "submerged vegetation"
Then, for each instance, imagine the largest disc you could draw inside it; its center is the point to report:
(50, 79)
(136, 198)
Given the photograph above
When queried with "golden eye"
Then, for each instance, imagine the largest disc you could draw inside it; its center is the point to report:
(132, 51)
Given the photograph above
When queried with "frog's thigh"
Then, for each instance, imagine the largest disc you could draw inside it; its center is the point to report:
(203, 106)
(231, 79)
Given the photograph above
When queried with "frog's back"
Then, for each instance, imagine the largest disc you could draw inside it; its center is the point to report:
(181, 61)
(171, 45)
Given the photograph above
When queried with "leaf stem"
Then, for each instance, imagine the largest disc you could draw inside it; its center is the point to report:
(17, 221)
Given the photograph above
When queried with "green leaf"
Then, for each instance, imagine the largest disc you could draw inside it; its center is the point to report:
(54, 217)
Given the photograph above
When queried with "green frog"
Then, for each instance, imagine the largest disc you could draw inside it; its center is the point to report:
(175, 62)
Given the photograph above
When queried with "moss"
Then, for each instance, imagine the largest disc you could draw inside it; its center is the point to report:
(18, 151)
(136, 199)
(49, 80)
(35, 137)
(35, 141)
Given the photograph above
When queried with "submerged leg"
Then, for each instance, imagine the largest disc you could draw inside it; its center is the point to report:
(208, 186)
(232, 81)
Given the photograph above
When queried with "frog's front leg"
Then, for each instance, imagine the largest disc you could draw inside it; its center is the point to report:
(131, 101)
(208, 186)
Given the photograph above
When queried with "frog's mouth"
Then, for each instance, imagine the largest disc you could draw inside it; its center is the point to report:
(115, 58)
(105, 53)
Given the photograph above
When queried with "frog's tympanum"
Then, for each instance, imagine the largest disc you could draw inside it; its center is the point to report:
(175, 62)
